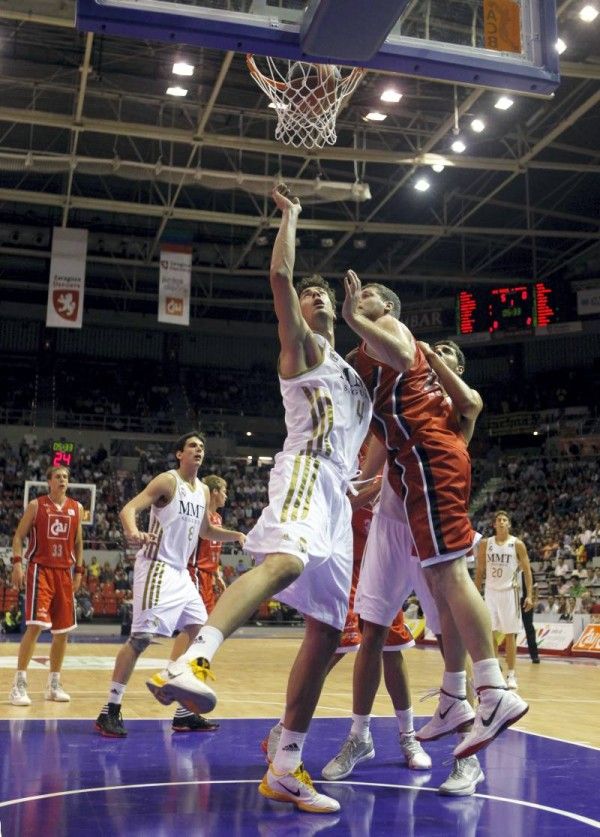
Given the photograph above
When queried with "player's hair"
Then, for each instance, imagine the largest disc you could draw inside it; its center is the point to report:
(460, 355)
(499, 512)
(180, 443)
(316, 281)
(53, 468)
(214, 482)
(387, 295)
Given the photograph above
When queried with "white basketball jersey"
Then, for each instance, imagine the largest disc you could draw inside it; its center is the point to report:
(502, 566)
(176, 525)
(327, 412)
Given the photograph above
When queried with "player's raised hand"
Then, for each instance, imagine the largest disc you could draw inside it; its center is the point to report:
(284, 200)
(353, 288)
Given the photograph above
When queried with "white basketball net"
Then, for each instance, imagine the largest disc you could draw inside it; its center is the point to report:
(306, 98)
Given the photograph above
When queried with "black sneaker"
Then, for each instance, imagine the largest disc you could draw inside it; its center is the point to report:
(110, 724)
(193, 723)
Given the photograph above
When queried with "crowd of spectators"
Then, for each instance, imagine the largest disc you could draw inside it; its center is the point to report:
(250, 392)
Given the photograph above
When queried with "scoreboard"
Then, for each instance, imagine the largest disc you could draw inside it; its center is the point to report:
(519, 307)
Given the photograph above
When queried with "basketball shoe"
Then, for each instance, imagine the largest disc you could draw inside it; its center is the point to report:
(18, 694)
(109, 722)
(511, 681)
(185, 682)
(415, 756)
(463, 780)
(352, 753)
(189, 722)
(451, 713)
(54, 691)
(297, 788)
(498, 709)
(269, 744)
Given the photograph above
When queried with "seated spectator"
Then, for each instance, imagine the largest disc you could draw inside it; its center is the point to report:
(94, 568)
(12, 620)
(561, 568)
(106, 573)
(83, 601)
(121, 582)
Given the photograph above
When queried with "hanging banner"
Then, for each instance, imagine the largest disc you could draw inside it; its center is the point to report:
(175, 281)
(67, 278)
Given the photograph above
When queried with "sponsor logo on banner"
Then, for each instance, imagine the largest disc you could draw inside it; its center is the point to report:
(588, 301)
(550, 636)
(67, 278)
(175, 281)
(589, 641)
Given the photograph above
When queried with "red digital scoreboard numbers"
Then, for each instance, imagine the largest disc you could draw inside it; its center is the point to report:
(62, 453)
(504, 309)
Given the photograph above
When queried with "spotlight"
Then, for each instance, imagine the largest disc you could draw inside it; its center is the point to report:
(176, 91)
(458, 146)
(560, 46)
(422, 184)
(478, 125)
(504, 103)
(588, 14)
(391, 95)
(438, 167)
(375, 116)
(182, 68)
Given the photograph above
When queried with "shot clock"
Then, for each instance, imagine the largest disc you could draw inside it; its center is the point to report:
(62, 453)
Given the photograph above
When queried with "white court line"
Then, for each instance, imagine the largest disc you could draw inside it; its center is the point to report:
(78, 791)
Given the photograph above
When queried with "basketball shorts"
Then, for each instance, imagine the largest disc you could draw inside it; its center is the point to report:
(389, 573)
(164, 599)
(308, 516)
(49, 599)
(505, 610)
(434, 487)
(206, 589)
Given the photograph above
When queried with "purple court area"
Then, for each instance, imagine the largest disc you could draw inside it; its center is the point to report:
(59, 778)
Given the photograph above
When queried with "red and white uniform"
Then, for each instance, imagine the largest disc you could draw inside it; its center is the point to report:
(50, 553)
(205, 563)
(399, 635)
(429, 468)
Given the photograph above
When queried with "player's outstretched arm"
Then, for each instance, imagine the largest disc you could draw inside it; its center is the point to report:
(209, 531)
(466, 400)
(22, 531)
(159, 491)
(387, 339)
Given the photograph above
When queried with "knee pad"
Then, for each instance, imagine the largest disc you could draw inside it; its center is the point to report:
(139, 642)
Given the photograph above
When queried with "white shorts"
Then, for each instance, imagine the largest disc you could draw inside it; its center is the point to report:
(308, 516)
(389, 572)
(505, 610)
(164, 599)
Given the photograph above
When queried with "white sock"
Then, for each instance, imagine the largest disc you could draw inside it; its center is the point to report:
(21, 677)
(405, 720)
(206, 646)
(116, 692)
(360, 726)
(289, 751)
(54, 678)
(488, 673)
(455, 683)
(510, 672)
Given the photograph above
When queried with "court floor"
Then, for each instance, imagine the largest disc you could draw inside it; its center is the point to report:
(59, 777)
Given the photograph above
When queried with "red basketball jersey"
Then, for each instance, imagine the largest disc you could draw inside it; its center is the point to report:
(51, 540)
(209, 552)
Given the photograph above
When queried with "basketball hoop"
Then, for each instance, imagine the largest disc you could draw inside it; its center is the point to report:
(306, 98)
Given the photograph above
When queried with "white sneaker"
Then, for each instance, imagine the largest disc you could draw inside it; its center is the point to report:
(511, 681)
(464, 778)
(415, 755)
(54, 691)
(18, 694)
(456, 712)
(352, 753)
(269, 744)
(498, 709)
(186, 684)
(297, 788)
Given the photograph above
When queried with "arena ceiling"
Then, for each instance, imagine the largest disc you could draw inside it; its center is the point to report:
(89, 138)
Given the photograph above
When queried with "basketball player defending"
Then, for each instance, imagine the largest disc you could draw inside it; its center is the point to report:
(302, 542)
(424, 511)
(204, 567)
(164, 596)
(52, 526)
(500, 559)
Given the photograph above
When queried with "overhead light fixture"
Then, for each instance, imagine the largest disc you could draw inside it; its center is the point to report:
(458, 146)
(176, 91)
(359, 243)
(478, 125)
(560, 46)
(182, 68)
(422, 184)
(438, 168)
(391, 95)
(327, 242)
(504, 103)
(277, 106)
(248, 433)
(375, 116)
(588, 14)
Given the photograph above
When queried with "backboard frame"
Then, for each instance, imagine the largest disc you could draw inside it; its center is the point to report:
(216, 29)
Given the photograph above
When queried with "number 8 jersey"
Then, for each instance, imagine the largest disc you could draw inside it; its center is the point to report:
(327, 412)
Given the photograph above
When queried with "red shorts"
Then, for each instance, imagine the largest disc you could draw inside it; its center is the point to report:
(49, 599)
(206, 589)
(434, 487)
